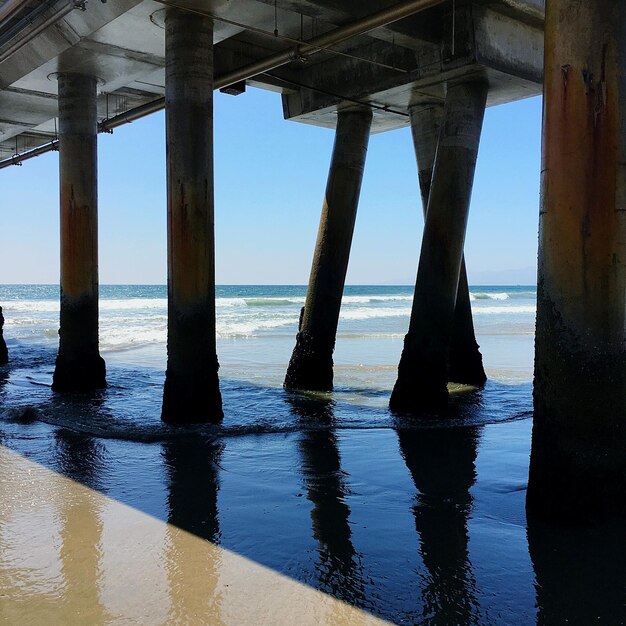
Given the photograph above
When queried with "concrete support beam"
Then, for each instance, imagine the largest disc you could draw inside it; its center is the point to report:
(466, 362)
(4, 353)
(311, 364)
(79, 366)
(191, 392)
(578, 460)
(423, 370)
(425, 128)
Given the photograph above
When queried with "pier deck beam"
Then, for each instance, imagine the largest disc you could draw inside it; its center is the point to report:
(578, 458)
(465, 361)
(423, 370)
(79, 366)
(311, 364)
(191, 392)
(4, 353)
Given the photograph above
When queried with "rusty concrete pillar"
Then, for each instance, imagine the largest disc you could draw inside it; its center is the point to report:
(4, 353)
(465, 362)
(311, 364)
(423, 370)
(191, 392)
(578, 459)
(79, 366)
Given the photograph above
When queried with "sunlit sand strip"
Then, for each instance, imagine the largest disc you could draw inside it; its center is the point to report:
(70, 555)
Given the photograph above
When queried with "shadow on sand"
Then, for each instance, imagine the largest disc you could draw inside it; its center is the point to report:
(381, 519)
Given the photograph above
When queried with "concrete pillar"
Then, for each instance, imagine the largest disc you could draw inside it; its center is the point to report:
(423, 370)
(79, 366)
(578, 459)
(4, 353)
(191, 392)
(311, 364)
(465, 362)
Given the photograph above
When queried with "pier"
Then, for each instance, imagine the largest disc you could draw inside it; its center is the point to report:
(72, 69)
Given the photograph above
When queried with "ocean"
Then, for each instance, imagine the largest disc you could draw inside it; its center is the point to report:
(409, 520)
(256, 329)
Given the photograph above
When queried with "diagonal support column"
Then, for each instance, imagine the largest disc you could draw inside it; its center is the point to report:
(191, 392)
(578, 458)
(79, 366)
(465, 362)
(423, 370)
(311, 364)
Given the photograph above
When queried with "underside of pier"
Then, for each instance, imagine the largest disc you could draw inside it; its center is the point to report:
(71, 69)
(326, 55)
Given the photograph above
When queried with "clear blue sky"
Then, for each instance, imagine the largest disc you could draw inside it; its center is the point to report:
(270, 177)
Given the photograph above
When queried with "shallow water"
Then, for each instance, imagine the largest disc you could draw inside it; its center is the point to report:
(320, 508)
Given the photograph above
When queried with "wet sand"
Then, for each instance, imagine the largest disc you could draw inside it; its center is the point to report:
(417, 525)
(300, 508)
(72, 555)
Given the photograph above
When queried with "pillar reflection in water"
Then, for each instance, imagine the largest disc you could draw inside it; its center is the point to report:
(442, 465)
(192, 507)
(4, 353)
(579, 573)
(81, 530)
(339, 567)
(4, 378)
(80, 457)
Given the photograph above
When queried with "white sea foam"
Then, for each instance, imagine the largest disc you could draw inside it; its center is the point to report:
(250, 326)
(503, 310)
(51, 306)
(288, 301)
(149, 304)
(134, 322)
(133, 304)
(124, 338)
(373, 299)
(374, 312)
(26, 306)
(256, 302)
(230, 302)
(260, 302)
(115, 337)
(489, 296)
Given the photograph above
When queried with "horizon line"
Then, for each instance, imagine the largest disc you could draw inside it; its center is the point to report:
(266, 285)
